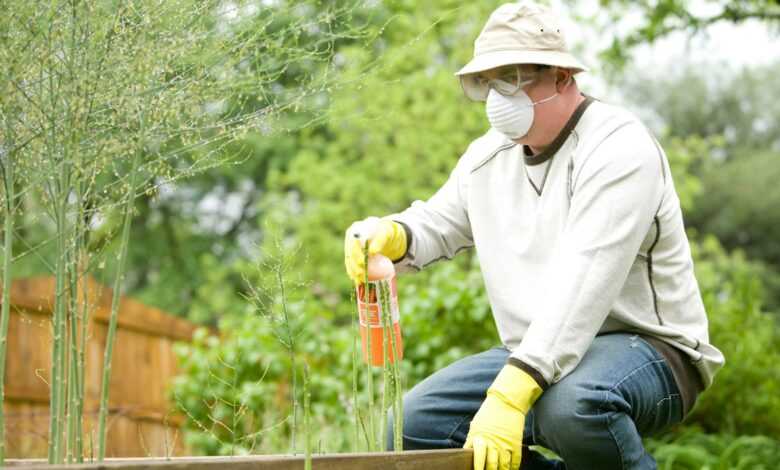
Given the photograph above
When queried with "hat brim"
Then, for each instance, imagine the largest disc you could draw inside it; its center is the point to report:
(495, 59)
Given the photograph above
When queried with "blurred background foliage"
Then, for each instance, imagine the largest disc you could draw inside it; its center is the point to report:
(378, 121)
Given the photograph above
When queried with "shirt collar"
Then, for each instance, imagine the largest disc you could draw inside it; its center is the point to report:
(552, 149)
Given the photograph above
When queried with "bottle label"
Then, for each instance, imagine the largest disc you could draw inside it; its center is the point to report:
(377, 341)
(373, 309)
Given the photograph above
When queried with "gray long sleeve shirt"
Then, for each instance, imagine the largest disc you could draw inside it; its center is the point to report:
(583, 239)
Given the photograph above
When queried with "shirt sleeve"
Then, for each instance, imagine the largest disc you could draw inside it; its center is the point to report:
(437, 228)
(616, 195)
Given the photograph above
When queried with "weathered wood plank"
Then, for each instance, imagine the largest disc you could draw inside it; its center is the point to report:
(447, 459)
(36, 295)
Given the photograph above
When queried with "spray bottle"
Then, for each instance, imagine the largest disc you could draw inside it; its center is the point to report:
(380, 272)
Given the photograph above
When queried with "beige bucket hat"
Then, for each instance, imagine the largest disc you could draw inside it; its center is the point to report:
(521, 33)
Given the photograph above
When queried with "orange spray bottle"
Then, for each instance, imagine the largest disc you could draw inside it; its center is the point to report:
(381, 283)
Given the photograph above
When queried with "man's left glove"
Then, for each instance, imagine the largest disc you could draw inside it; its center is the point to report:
(496, 432)
(384, 236)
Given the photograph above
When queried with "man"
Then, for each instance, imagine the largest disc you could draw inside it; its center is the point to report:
(572, 210)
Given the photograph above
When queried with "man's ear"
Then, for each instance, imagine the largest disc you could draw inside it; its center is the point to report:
(563, 78)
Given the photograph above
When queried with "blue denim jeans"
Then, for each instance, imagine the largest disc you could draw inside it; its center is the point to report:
(594, 418)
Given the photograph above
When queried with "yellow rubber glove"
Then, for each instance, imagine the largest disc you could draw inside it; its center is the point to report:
(383, 235)
(496, 432)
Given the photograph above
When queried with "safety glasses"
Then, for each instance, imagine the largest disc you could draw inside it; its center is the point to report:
(508, 82)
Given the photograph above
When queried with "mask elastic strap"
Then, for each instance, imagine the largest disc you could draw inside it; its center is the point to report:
(545, 100)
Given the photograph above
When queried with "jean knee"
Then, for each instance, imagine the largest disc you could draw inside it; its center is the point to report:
(423, 426)
(568, 418)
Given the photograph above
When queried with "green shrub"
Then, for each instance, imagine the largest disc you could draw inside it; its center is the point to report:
(694, 450)
(235, 389)
(745, 397)
(228, 387)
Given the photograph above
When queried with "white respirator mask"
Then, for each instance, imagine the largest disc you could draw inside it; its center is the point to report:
(512, 115)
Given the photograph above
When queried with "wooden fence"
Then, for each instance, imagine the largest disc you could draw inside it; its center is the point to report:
(142, 421)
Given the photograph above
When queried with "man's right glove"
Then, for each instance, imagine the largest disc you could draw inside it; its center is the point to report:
(496, 432)
(384, 236)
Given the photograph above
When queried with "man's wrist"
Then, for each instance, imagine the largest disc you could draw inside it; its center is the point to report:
(408, 241)
(516, 387)
(530, 371)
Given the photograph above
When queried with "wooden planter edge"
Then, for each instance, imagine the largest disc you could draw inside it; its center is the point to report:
(445, 459)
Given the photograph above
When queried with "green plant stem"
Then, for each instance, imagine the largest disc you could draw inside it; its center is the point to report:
(291, 350)
(355, 403)
(234, 411)
(74, 371)
(386, 387)
(306, 417)
(398, 408)
(57, 398)
(82, 367)
(383, 423)
(369, 371)
(83, 318)
(69, 353)
(128, 213)
(5, 318)
(398, 411)
(72, 408)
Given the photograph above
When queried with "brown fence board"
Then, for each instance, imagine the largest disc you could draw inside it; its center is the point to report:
(142, 422)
